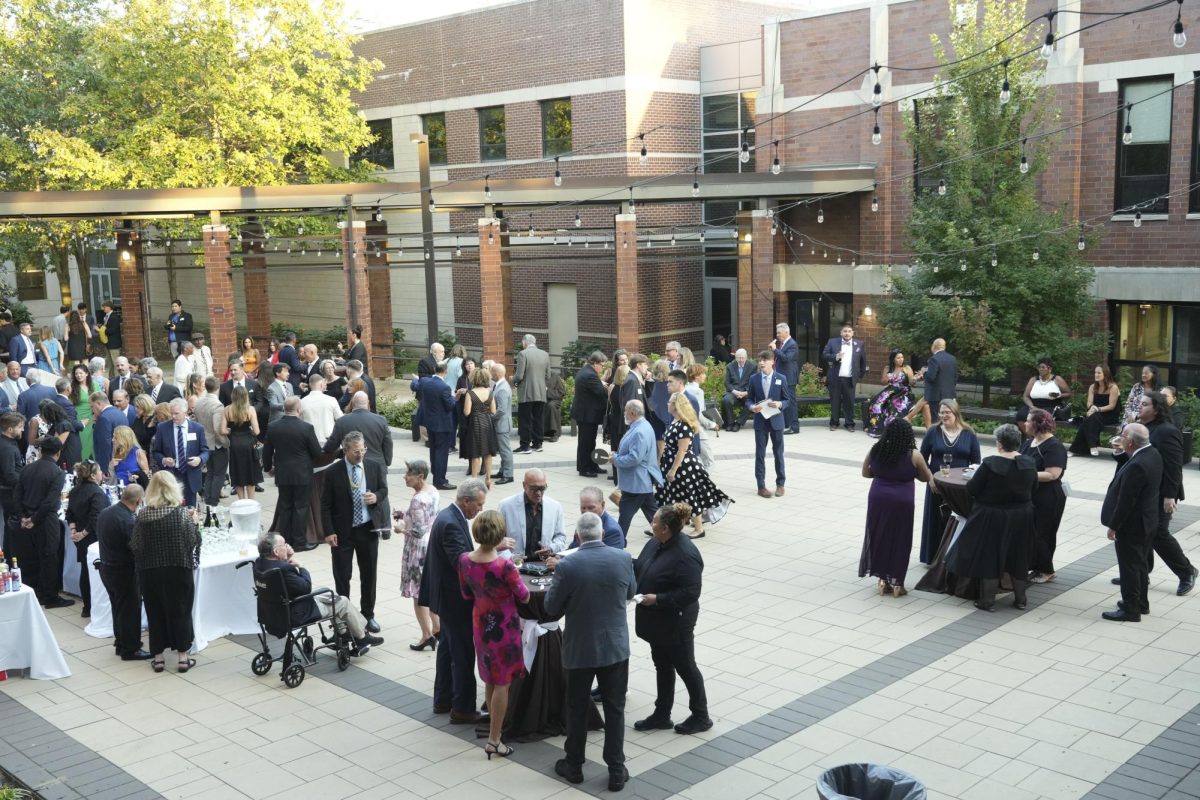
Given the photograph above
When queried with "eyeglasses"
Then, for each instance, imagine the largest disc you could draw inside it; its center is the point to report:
(538, 489)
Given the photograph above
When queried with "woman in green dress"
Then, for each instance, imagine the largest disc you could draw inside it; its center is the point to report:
(82, 387)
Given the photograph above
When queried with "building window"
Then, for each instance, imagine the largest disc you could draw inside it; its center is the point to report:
(1194, 194)
(930, 147)
(727, 121)
(434, 127)
(492, 134)
(1165, 334)
(1144, 165)
(380, 151)
(31, 281)
(556, 126)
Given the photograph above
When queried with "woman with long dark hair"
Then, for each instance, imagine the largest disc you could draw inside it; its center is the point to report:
(80, 397)
(59, 425)
(896, 399)
(84, 504)
(892, 464)
(79, 337)
(1149, 382)
(1103, 408)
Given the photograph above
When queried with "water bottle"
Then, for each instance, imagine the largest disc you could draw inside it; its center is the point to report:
(14, 578)
(3, 578)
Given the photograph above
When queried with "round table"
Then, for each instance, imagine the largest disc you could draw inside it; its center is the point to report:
(953, 492)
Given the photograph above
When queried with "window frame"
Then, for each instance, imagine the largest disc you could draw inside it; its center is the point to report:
(30, 290)
(372, 152)
(1120, 201)
(484, 153)
(740, 132)
(557, 146)
(1194, 194)
(438, 156)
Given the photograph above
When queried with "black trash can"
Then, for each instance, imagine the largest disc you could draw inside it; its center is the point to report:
(868, 782)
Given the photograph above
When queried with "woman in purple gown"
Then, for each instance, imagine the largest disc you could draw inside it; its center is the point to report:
(892, 465)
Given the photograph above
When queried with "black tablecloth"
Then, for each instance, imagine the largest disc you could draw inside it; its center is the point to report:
(315, 533)
(953, 492)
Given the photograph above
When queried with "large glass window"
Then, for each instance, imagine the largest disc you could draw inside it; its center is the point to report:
(31, 280)
(1157, 333)
(1144, 165)
(434, 127)
(726, 121)
(493, 134)
(379, 152)
(556, 126)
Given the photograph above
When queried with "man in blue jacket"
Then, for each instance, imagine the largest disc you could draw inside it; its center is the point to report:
(180, 446)
(437, 416)
(768, 399)
(105, 419)
(637, 467)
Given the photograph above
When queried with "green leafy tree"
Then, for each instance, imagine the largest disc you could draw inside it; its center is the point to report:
(994, 272)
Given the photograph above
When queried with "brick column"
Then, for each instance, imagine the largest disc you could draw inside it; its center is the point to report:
(134, 303)
(379, 277)
(218, 284)
(257, 295)
(495, 287)
(628, 305)
(358, 287)
(756, 271)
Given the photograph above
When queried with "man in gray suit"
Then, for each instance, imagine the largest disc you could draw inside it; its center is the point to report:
(279, 391)
(533, 366)
(591, 587)
(502, 423)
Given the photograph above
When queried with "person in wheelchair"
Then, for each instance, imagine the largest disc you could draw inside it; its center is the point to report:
(275, 553)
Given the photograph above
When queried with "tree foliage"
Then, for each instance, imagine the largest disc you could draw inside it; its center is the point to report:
(1001, 316)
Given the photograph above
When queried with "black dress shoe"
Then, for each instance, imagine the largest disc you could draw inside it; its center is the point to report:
(497, 475)
(441, 709)
(617, 779)
(1121, 605)
(258, 487)
(373, 626)
(502, 481)
(1120, 615)
(982, 607)
(1115, 581)
(59, 602)
(469, 718)
(522, 451)
(137, 655)
(1187, 584)
(445, 487)
(590, 474)
(653, 723)
(571, 774)
(790, 433)
(694, 724)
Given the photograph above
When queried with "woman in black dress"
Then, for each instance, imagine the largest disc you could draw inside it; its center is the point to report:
(84, 504)
(669, 573)
(478, 435)
(335, 385)
(1103, 408)
(685, 480)
(1049, 500)
(144, 423)
(998, 534)
(462, 385)
(60, 425)
(242, 425)
(78, 337)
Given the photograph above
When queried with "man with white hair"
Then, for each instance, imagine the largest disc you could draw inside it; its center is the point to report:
(181, 447)
(533, 367)
(737, 386)
(1130, 513)
(183, 365)
(637, 467)
(672, 353)
(787, 364)
(12, 386)
(502, 422)
(159, 390)
(29, 400)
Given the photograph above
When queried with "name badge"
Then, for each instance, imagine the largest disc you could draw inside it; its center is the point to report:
(191, 437)
(778, 382)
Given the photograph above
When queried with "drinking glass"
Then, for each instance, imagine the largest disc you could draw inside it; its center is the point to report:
(946, 459)
(518, 559)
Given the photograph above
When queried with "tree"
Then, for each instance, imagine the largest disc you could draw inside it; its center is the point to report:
(993, 272)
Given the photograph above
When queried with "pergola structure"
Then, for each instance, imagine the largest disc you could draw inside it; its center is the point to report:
(367, 277)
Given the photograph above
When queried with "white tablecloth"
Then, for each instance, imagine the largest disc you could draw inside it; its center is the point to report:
(71, 565)
(25, 637)
(224, 601)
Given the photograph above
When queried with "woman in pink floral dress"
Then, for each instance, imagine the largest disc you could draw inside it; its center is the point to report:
(415, 524)
(496, 587)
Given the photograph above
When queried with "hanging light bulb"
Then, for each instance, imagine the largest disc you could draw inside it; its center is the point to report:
(770, 213)
(557, 173)
(701, 237)
(318, 254)
(487, 187)
(744, 156)
(1081, 244)
(299, 230)
(876, 135)
(432, 204)
(377, 214)
(578, 221)
(774, 229)
(695, 181)
(303, 250)
(1137, 220)
(1005, 88)
(491, 239)
(672, 238)
(875, 203)
(995, 260)
(606, 244)
(820, 215)
(1179, 38)
(1127, 136)
(1024, 164)
(775, 168)
(457, 247)
(1048, 45)
(935, 268)
(1037, 254)
(126, 255)
(962, 266)
(877, 92)
(941, 189)
(643, 157)
(839, 258)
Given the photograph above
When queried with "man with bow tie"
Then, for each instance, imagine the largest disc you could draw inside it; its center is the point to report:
(846, 359)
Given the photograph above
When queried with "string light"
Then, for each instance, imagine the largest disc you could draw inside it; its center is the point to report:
(1081, 244)
(962, 265)
(820, 215)
(126, 255)
(377, 214)
(774, 229)
(1127, 136)
(744, 156)
(941, 189)
(775, 168)
(487, 187)
(578, 221)
(1005, 88)
(701, 237)
(1179, 39)
(875, 203)
(1024, 158)
(432, 204)
(491, 239)
(876, 134)
(557, 173)
(995, 259)
(1037, 254)
(695, 181)
(1137, 220)
(457, 247)
(877, 92)
(1048, 46)
(672, 238)
(643, 157)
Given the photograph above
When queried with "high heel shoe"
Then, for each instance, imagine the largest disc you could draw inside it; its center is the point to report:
(497, 749)
(884, 588)
(899, 591)
(431, 643)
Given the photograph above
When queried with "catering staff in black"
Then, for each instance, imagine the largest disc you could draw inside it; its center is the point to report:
(12, 461)
(1130, 512)
(39, 496)
(290, 451)
(591, 401)
(668, 578)
(355, 492)
(114, 527)
(84, 505)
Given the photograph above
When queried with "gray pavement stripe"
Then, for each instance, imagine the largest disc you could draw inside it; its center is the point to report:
(1168, 767)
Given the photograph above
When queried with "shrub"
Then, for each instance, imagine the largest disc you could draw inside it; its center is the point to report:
(326, 339)
(398, 415)
(575, 355)
(568, 399)
(810, 382)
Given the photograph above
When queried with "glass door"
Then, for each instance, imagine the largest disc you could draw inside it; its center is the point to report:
(720, 311)
(814, 318)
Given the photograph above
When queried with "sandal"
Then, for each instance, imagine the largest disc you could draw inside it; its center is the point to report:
(158, 664)
(185, 665)
(498, 749)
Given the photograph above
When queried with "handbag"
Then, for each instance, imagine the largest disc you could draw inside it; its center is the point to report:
(713, 415)
(102, 334)
(1062, 412)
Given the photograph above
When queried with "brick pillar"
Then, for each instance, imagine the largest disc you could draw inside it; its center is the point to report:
(756, 268)
(218, 284)
(495, 287)
(358, 287)
(379, 277)
(257, 295)
(134, 303)
(628, 305)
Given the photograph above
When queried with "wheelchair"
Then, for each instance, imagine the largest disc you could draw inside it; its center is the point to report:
(299, 649)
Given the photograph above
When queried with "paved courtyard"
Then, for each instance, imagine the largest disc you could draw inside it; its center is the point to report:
(806, 667)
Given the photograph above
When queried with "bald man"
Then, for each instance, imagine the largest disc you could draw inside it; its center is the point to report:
(941, 378)
(534, 521)
(1130, 513)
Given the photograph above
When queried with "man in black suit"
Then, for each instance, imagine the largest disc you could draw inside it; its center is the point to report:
(159, 390)
(450, 537)
(845, 362)
(354, 369)
(357, 351)
(180, 446)
(426, 368)
(591, 401)
(238, 377)
(288, 356)
(7, 331)
(373, 427)
(179, 327)
(121, 376)
(941, 379)
(437, 417)
(737, 387)
(114, 528)
(111, 320)
(290, 450)
(1130, 512)
(39, 537)
(353, 507)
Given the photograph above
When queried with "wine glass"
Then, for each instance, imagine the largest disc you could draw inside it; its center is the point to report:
(947, 458)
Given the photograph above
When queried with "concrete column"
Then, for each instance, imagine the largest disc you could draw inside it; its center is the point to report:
(134, 303)
(495, 287)
(218, 284)
(257, 294)
(358, 287)
(628, 301)
(379, 281)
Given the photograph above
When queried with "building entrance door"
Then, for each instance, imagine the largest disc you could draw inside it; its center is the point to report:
(720, 311)
(814, 318)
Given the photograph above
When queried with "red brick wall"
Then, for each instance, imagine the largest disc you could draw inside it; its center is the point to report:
(218, 281)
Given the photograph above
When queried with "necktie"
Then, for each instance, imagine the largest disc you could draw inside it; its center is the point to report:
(766, 386)
(180, 449)
(356, 491)
(154, 392)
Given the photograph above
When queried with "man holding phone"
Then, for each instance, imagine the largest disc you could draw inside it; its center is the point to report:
(534, 521)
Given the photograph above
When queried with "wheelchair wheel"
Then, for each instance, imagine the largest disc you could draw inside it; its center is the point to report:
(293, 676)
(261, 664)
(306, 647)
(343, 658)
